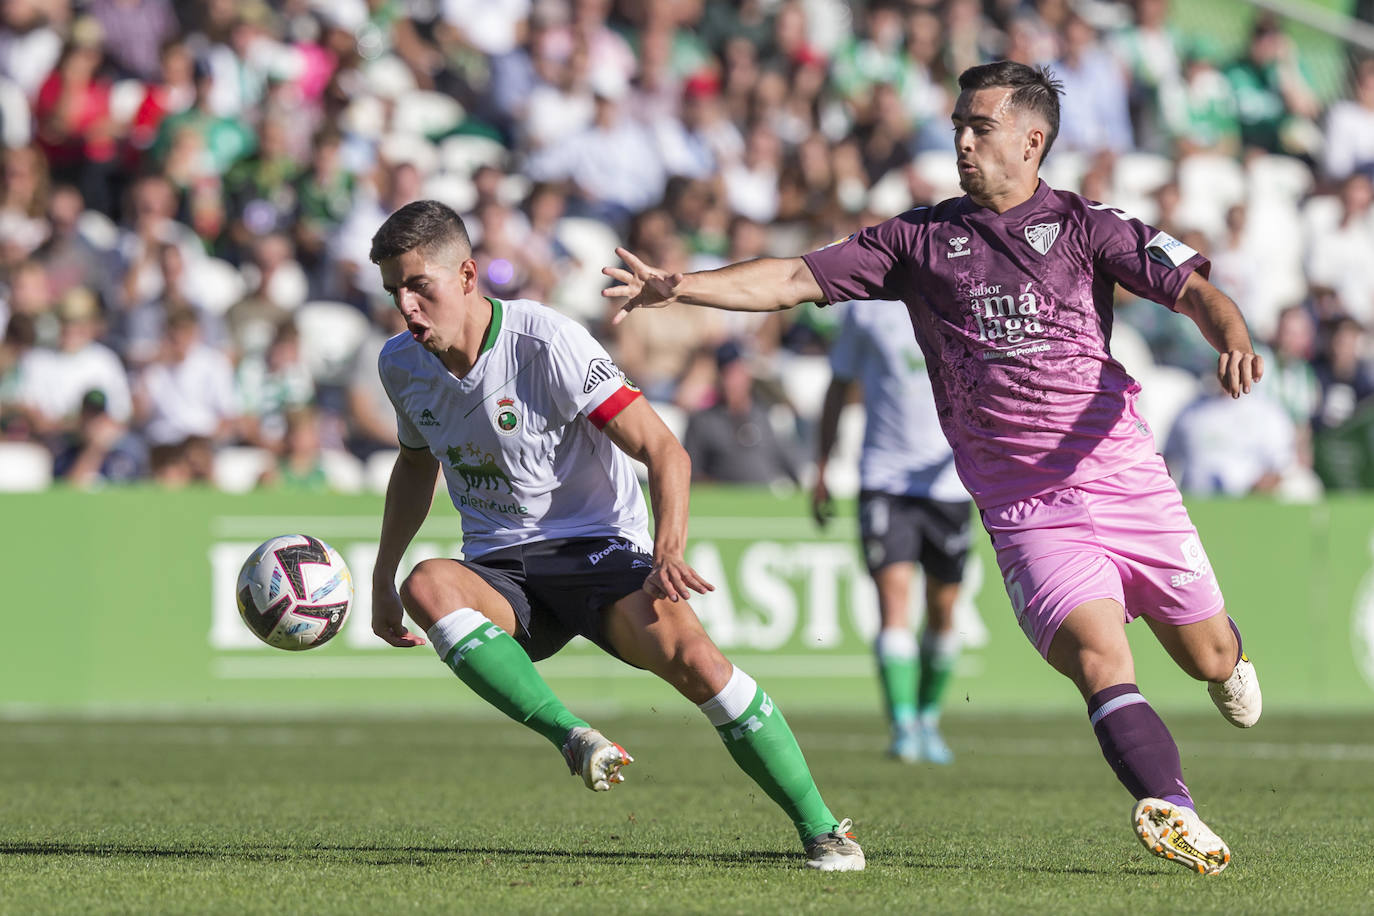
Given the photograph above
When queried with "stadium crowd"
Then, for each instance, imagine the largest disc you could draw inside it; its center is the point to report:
(188, 193)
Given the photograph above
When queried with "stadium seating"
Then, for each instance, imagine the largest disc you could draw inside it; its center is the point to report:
(342, 471)
(24, 467)
(592, 244)
(377, 470)
(238, 467)
(426, 113)
(331, 333)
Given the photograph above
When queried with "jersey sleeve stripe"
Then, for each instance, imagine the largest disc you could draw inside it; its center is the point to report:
(613, 405)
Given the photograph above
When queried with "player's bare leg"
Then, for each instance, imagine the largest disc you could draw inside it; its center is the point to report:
(470, 624)
(666, 638)
(895, 649)
(1210, 650)
(1090, 648)
(939, 649)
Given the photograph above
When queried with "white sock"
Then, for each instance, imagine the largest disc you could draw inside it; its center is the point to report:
(450, 628)
(732, 701)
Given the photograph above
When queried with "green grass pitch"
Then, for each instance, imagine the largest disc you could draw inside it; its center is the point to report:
(475, 815)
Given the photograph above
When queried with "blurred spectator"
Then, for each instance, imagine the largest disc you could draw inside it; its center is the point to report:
(1152, 52)
(55, 380)
(150, 222)
(613, 165)
(69, 256)
(1275, 103)
(1094, 110)
(1201, 114)
(262, 190)
(1225, 446)
(1345, 375)
(1238, 267)
(733, 441)
(171, 91)
(560, 102)
(887, 139)
(20, 337)
(300, 459)
(350, 275)
(23, 202)
(1350, 128)
(29, 294)
(370, 417)
(252, 322)
(1339, 254)
(270, 385)
(1288, 374)
(134, 32)
(658, 355)
(30, 43)
(185, 403)
(751, 185)
(872, 57)
(99, 450)
(224, 140)
(138, 326)
(72, 111)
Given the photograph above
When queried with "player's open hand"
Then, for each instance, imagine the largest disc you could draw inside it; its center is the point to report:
(388, 618)
(673, 579)
(1238, 370)
(641, 286)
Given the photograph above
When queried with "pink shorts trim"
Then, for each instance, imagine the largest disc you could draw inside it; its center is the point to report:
(1126, 537)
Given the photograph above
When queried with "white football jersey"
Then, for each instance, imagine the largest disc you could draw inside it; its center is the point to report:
(905, 452)
(519, 437)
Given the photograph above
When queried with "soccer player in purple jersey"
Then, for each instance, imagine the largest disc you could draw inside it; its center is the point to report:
(1009, 290)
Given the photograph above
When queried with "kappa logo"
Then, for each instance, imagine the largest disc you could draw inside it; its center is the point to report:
(958, 243)
(426, 418)
(1043, 236)
(599, 370)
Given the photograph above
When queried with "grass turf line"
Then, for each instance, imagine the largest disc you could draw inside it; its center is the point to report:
(442, 815)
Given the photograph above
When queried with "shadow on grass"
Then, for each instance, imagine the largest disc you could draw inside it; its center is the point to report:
(390, 855)
(427, 855)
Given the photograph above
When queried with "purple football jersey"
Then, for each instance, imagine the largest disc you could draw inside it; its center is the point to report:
(1014, 313)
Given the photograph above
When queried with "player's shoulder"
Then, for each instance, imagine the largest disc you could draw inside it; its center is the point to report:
(531, 319)
(397, 349)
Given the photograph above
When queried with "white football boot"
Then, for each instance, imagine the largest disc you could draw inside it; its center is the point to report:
(1238, 697)
(836, 850)
(1176, 833)
(595, 758)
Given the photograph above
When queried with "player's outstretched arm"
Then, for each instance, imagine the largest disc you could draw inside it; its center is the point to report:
(409, 494)
(641, 433)
(1221, 323)
(760, 285)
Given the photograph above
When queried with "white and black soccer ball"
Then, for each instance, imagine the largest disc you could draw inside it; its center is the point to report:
(294, 592)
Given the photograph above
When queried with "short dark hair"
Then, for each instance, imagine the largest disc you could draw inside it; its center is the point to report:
(427, 225)
(1035, 89)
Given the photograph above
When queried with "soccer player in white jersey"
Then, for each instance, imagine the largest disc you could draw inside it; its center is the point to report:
(912, 509)
(1009, 291)
(533, 427)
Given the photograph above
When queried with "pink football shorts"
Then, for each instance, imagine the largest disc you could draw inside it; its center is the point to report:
(1126, 537)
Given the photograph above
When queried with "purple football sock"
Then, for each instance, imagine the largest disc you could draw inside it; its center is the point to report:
(1240, 649)
(1137, 746)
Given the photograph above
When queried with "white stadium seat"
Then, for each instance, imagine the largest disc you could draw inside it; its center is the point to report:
(238, 467)
(25, 467)
(1140, 174)
(592, 245)
(1278, 176)
(343, 472)
(462, 154)
(331, 333)
(804, 381)
(1165, 391)
(216, 284)
(1130, 349)
(397, 147)
(429, 114)
(377, 470)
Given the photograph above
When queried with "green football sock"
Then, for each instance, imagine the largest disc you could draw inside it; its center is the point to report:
(896, 651)
(488, 660)
(938, 652)
(762, 744)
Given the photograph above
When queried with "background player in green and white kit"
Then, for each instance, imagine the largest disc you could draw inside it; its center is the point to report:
(912, 509)
(533, 426)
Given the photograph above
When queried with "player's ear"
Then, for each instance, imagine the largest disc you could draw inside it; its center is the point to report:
(1035, 143)
(467, 272)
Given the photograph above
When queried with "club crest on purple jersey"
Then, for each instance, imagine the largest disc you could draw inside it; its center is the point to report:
(1041, 237)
